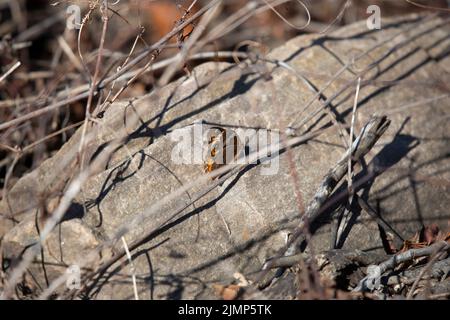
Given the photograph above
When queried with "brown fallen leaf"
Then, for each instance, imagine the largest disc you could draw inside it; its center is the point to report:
(229, 292)
(429, 233)
(425, 237)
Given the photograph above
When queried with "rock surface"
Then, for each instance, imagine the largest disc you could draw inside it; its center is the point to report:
(239, 224)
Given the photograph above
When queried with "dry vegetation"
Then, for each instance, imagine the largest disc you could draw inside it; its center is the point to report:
(54, 80)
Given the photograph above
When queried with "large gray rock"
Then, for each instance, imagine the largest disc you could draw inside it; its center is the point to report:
(239, 224)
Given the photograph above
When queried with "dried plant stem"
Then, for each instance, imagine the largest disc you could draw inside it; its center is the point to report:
(435, 257)
(361, 73)
(10, 70)
(406, 256)
(369, 135)
(133, 269)
(224, 172)
(180, 58)
(143, 55)
(104, 10)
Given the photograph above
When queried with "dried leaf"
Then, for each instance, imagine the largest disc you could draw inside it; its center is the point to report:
(387, 239)
(429, 234)
(443, 236)
(230, 292)
(412, 243)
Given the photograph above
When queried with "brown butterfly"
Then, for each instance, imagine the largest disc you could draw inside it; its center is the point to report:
(222, 148)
